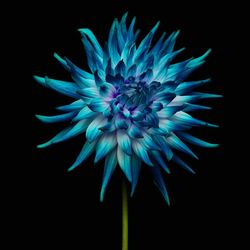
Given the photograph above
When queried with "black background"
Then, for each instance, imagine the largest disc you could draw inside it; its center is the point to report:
(64, 207)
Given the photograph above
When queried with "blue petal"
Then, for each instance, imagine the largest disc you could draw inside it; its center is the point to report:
(124, 161)
(85, 113)
(188, 86)
(79, 104)
(196, 141)
(169, 43)
(66, 88)
(98, 80)
(98, 105)
(149, 143)
(123, 26)
(131, 70)
(134, 132)
(109, 127)
(124, 142)
(169, 111)
(182, 164)
(119, 37)
(89, 92)
(189, 120)
(90, 53)
(159, 160)
(109, 167)
(199, 60)
(194, 107)
(62, 61)
(68, 133)
(113, 44)
(120, 68)
(159, 182)
(206, 95)
(106, 144)
(77, 70)
(161, 141)
(135, 170)
(93, 40)
(145, 44)
(157, 47)
(86, 151)
(56, 118)
(55, 138)
(141, 152)
(121, 123)
(131, 29)
(93, 130)
(175, 142)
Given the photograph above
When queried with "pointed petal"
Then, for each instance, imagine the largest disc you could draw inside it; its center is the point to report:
(106, 144)
(188, 86)
(124, 142)
(68, 133)
(168, 111)
(134, 132)
(123, 26)
(135, 170)
(175, 142)
(189, 120)
(194, 107)
(66, 88)
(93, 130)
(149, 143)
(93, 40)
(86, 151)
(124, 161)
(159, 182)
(109, 167)
(131, 29)
(182, 164)
(85, 113)
(98, 105)
(196, 141)
(141, 152)
(89, 92)
(56, 118)
(161, 141)
(79, 104)
(157, 157)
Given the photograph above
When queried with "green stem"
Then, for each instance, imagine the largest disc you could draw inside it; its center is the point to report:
(124, 216)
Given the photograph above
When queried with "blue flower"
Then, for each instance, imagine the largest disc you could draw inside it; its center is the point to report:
(133, 104)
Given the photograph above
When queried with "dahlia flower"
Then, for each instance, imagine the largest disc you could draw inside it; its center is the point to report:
(133, 104)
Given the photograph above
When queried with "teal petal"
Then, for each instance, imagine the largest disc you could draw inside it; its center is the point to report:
(79, 104)
(93, 130)
(109, 167)
(182, 164)
(159, 182)
(86, 151)
(135, 170)
(106, 143)
(141, 152)
(66, 88)
(68, 133)
(85, 113)
(124, 161)
(174, 142)
(196, 141)
(56, 118)
(124, 142)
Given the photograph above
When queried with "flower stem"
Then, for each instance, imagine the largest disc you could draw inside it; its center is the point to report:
(124, 216)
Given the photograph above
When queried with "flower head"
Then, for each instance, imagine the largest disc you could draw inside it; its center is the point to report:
(133, 104)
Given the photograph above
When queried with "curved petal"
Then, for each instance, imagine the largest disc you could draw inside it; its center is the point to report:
(109, 167)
